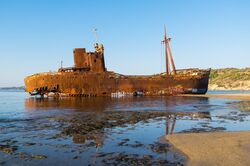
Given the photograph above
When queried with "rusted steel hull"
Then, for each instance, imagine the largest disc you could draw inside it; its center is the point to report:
(89, 77)
(108, 84)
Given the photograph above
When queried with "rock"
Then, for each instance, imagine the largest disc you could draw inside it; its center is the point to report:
(76, 157)
(29, 144)
(79, 139)
(8, 149)
(38, 156)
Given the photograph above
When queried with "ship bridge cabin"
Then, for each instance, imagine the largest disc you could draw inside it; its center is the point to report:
(87, 61)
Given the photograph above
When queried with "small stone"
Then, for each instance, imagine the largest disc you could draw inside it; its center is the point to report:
(29, 144)
(39, 156)
(8, 149)
(76, 157)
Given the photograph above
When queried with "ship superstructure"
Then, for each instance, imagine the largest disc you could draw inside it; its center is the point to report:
(89, 77)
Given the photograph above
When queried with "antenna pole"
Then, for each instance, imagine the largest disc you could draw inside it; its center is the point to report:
(96, 36)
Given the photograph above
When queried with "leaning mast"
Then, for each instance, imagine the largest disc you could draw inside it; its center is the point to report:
(168, 54)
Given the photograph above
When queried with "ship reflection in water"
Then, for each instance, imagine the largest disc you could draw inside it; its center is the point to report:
(101, 104)
(168, 108)
(194, 114)
(104, 130)
(171, 119)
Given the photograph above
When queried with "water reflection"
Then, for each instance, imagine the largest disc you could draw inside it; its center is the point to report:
(96, 140)
(99, 104)
(101, 130)
(242, 105)
(171, 119)
(183, 114)
(174, 107)
(76, 103)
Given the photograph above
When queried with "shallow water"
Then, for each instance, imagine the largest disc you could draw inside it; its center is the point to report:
(229, 92)
(31, 128)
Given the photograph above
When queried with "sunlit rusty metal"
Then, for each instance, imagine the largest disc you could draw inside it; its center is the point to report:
(89, 77)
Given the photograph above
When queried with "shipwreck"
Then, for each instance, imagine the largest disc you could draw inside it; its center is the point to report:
(90, 77)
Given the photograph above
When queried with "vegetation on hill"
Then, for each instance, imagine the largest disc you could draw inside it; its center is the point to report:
(230, 79)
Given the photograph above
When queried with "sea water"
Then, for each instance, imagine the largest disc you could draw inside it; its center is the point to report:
(28, 126)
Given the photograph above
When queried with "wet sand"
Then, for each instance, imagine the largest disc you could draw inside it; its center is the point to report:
(218, 148)
(90, 133)
(226, 96)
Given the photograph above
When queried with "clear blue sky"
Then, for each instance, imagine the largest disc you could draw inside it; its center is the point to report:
(36, 35)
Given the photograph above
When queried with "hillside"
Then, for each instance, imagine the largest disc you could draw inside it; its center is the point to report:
(230, 79)
(19, 88)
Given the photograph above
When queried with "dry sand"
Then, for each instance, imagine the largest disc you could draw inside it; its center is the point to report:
(219, 148)
(227, 96)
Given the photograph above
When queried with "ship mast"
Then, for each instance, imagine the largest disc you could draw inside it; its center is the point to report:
(166, 51)
(168, 54)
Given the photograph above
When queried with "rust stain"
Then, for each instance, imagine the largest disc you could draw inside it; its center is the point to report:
(89, 77)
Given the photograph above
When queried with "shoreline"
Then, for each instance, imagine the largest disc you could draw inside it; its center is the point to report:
(214, 148)
(237, 96)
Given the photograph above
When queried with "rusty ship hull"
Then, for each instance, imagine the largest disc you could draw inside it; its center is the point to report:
(89, 77)
(108, 84)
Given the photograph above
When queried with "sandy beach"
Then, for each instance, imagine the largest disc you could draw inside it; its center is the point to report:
(210, 149)
(218, 148)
